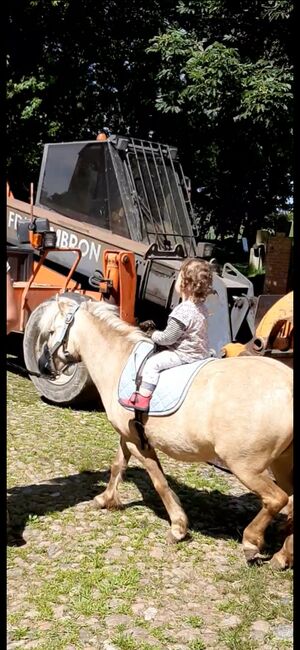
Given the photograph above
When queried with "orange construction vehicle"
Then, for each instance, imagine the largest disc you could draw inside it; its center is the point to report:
(117, 283)
(122, 207)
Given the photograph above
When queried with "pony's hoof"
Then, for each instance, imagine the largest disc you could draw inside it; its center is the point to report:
(253, 554)
(174, 537)
(284, 559)
(279, 562)
(101, 503)
(171, 539)
(258, 559)
(250, 551)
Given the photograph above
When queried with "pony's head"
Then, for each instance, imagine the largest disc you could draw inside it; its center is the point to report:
(56, 323)
(62, 329)
(57, 328)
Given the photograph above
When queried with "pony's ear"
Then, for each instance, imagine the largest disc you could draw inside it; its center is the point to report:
(63, 304)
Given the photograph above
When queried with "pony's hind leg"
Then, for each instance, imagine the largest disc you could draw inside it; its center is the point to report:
(110, 498)
(282, 469)
(273, 500)
(178, 518)
(285, 557)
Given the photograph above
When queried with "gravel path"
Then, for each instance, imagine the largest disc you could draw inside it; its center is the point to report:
(83, 579)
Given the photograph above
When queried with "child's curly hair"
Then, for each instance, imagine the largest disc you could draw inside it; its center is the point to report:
(197, 277)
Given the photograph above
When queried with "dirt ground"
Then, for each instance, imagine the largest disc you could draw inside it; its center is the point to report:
(79, 578)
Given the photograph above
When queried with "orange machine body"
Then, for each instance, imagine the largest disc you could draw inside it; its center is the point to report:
(44, 283)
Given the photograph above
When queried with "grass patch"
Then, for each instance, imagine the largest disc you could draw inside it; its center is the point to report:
(195, 621)
(19, 633)
(208, 481)
(253, 581)
(197, 644)
(58, 637)
(230, 606)
(125, 642)
(80, 583)
(237, 639)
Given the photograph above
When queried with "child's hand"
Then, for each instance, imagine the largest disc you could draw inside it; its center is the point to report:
(148, 327)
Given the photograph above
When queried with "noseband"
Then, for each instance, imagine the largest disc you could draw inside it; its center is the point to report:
(45, 362)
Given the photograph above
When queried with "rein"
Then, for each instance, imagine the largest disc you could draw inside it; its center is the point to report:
(47, 354)
(63, 336)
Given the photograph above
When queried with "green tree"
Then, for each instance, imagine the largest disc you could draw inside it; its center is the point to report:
(74, 67)
(227, 67)
(216, 81)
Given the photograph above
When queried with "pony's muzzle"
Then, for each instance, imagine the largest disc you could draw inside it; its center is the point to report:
(45, 363)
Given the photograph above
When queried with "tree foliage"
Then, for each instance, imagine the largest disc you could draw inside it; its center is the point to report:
(213, 77)
(227, 67)
(74, 67)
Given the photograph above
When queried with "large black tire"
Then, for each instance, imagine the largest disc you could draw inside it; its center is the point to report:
(73, 387)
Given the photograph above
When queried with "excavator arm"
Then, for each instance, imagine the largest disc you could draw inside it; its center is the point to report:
(274, 334)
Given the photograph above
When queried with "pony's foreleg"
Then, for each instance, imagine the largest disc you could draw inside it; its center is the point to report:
(178, 518)
(273, 500)
(110, 498)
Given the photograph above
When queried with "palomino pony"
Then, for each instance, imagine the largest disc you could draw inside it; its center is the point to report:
(239, 408)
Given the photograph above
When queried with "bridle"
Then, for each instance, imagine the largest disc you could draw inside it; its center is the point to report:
(45, 362)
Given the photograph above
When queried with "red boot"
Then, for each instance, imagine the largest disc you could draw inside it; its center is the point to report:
(137, 401)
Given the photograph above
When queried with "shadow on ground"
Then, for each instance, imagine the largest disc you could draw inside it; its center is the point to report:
(212, 513)
(15, 359)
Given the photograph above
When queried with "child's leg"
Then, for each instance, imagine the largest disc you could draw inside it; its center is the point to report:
(153, 366)
(140, 400)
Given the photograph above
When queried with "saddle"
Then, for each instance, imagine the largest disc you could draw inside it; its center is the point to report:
(173, 383)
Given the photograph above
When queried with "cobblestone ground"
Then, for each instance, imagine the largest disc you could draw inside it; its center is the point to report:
(83, 579)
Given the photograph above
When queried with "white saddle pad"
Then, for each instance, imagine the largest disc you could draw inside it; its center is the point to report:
(173, 383)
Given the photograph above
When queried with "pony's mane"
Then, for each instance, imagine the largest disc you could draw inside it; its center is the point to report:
(109, 314)
(102, 311)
